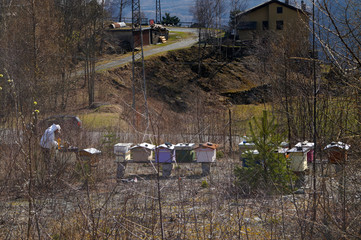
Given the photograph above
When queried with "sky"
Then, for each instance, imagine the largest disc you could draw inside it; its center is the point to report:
(181, 8)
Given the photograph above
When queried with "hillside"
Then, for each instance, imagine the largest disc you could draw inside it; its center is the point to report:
(172, 78)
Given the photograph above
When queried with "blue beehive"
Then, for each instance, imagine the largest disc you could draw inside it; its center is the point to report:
(244, 157)
(165, 153)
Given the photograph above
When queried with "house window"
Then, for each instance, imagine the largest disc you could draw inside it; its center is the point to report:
(265, 25)
(279, 10)
(247, 26)
(279, 25)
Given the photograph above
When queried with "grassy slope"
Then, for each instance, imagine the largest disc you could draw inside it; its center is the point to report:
(172, 82)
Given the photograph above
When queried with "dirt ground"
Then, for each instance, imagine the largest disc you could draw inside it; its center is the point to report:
(77, 203)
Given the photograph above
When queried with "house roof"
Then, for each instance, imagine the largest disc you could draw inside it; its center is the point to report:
(268, 3)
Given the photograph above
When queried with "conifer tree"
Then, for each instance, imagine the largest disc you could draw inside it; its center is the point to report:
(265, 168)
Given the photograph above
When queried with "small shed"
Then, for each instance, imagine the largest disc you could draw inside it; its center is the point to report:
(142, 152)
(122, 151)
(337, 152)
(184, 152)
(310, 146)
(298, 158)
(157, 33)
(165, 153)
(206, 152)
(125, 34)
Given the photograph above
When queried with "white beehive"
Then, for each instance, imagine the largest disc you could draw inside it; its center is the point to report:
(298, 158)
(122, 151)
(121, 148)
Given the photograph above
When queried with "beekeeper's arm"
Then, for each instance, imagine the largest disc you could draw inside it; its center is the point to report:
(54, 144)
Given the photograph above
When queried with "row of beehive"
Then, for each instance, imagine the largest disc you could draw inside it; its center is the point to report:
(166, 153)
(301, 154)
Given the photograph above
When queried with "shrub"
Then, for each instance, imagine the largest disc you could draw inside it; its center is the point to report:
(204, 184)
(219, 154)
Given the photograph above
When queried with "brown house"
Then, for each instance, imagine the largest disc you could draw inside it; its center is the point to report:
(273, 16)
(150, 35)
(126, 35)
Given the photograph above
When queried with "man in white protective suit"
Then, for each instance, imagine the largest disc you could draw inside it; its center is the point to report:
(48, 144)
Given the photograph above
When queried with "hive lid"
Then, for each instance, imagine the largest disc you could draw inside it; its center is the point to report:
(299, 149)
(207, 145)
(167, 146)
(305, 144)
(144, 145)
(123, 144)
(338, 145)
(282, 150)
(250, 152)
(244, 143)
(184, 146)
(92, 150)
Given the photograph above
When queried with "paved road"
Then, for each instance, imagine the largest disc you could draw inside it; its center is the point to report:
(181, 44)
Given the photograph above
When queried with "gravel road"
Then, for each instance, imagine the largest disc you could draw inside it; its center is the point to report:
(181, 44)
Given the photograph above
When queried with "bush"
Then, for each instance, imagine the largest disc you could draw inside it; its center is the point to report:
(204, 184)
(219, 154)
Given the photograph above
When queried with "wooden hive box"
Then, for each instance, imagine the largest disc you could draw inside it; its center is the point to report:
(245, 154)
(206, 152)
(245, 146)
(142, 152)
(122, 151)
(310, 146)
(337, 152)
(184, 152)
(298, 158)
(90, 155)
(165, 153)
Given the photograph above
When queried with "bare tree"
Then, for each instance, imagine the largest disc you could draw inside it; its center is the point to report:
(122, 5)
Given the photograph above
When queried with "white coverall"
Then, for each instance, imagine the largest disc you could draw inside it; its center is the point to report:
(48, 139)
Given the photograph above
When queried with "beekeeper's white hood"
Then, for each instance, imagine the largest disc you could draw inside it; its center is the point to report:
(54, 127)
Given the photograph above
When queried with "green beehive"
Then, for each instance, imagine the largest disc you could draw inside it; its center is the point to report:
(184, 152)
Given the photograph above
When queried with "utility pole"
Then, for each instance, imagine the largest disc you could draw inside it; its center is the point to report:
(138, 57)
(158, 12)
(314, 175)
